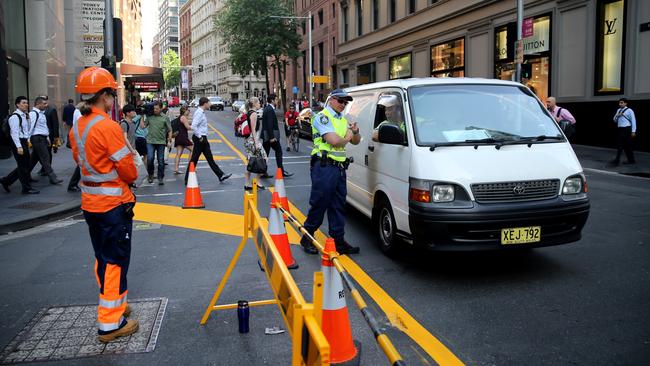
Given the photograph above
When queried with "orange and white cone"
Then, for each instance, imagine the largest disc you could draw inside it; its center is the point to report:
(336, 323)
(279, 187)
(192, 192)
(279, 234)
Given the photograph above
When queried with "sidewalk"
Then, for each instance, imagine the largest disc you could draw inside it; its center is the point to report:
(20, 212)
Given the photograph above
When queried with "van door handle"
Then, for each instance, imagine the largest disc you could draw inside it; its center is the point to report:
(371, 147)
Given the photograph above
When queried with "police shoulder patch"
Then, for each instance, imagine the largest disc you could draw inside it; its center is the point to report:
(324, 119)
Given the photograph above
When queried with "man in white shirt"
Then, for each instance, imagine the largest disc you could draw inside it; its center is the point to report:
(626, 123)
(200, 140)
(41, 141)
(19, 124)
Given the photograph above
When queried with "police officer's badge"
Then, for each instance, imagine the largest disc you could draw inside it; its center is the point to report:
(324, 119)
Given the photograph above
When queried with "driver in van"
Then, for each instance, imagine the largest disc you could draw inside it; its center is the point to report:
(394, 115)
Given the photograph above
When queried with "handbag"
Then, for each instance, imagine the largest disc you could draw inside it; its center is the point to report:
(257, 165)
(142, 170)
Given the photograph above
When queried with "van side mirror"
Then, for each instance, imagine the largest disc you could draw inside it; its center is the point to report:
(391, 134)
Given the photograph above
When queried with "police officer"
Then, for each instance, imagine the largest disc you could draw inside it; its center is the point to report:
(331, 133)
(107, 168)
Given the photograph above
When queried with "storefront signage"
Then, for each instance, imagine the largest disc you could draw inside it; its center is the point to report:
(92, 23)
(540, 40)
(146, 86)
(527, 29)
(611, 34)
(400, 66)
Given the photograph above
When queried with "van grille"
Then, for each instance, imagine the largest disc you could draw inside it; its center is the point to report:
(515, 191)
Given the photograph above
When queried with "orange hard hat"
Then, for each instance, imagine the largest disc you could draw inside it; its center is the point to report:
(94, 79)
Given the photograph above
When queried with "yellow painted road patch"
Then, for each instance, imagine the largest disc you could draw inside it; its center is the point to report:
(216, 157)
(215, 140)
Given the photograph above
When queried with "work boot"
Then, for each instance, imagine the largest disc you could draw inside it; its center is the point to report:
(54, 179)
(308, 246)
(343, 247)
(130, 327)
(127, 311)
(150, 179)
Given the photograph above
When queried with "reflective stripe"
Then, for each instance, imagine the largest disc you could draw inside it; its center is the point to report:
(81, 146)
(107, 327)
(100, 178)
(119, 154)
(106, 191)
(112, 304)
(336, 153)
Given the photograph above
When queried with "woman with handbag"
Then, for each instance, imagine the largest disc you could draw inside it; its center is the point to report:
(182, 140)
(253, 146)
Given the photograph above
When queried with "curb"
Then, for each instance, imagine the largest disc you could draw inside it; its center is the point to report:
(56, 212)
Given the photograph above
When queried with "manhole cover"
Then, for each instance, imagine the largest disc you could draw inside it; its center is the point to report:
(34, 205)
(67, 332)
(138, 226)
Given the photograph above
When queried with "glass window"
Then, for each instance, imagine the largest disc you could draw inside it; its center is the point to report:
(344, 10)
(320, 17)
(390, 111)
(411, 6)
(400, 66)
(375, 14)
(448, 59)
(391, 11)
(13, 39)
(499, 112)
(366, 74)
(610, 47)
(359, 8)
(344, 76)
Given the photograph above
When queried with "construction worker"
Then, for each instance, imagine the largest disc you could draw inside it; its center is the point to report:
(331, 132)
(107, 169)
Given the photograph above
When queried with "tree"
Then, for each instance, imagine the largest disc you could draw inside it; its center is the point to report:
(171, 69)
(254, 39)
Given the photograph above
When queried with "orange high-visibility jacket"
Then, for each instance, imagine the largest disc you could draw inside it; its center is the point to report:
(106, 163)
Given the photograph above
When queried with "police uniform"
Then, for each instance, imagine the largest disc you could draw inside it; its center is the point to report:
(328, 189)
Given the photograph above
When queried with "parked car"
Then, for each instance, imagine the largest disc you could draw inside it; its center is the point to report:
(216, 103)
(194, 102)
(237, 104)
(463, 164)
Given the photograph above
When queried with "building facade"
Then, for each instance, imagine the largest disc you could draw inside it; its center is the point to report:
(130, 12)
(186, 37)
(203, 47)
(168, 26)
(586, 53)
(155, 52)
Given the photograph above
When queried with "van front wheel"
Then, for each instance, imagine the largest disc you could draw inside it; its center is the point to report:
(388, 241)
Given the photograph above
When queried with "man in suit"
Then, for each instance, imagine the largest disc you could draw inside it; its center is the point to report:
(52, 117)
(271, 134)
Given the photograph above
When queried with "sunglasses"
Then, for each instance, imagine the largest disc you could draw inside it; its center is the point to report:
(342, 101)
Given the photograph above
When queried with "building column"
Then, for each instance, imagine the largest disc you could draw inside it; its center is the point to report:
(36, 51)
(73, 50)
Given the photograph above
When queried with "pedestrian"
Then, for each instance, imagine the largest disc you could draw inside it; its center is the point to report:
(331, 133)
(98, 145)
(52, 117)
(626, 126)
(182, 140)
(40, 139)
(19, 125)
(68, 113)
(271, 134)
(128, 127)
(253, 144)
(200, 140)
(158, 137)
(290, 119)
(140, 132)
(73, 184)
(562, 116)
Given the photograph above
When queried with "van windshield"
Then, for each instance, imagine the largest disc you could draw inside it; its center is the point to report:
(449, 114)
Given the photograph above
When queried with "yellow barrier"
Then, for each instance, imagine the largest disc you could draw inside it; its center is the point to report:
(309, 345)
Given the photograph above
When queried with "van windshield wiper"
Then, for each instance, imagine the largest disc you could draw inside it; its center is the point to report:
(529, 140)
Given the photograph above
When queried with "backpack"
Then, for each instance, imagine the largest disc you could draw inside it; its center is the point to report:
(6, 128)
(128, 128)
(242, 128)
(176, 125)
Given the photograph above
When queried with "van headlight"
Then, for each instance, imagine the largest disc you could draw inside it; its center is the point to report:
(443, 193)
(574, 187)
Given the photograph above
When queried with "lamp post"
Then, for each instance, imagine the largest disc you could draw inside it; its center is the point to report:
(311, 72)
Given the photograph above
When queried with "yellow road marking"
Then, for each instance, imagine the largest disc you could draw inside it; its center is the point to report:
(216, 157)
(204, 220)
(232, 147)
(215, 140)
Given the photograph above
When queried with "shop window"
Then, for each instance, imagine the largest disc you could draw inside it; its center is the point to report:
(366, 74)
(391, 11)
(400, 66)
(610, 47)
(359, 8)
(448, 59)
(344, 11)
(375, 14)
(345, 76)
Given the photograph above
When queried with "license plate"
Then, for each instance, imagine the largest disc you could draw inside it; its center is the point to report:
(521, 235)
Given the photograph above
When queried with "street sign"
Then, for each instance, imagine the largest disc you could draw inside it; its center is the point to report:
(527, 28)
(146, 86)
(185, 83)
(519, 52)
(320, 79)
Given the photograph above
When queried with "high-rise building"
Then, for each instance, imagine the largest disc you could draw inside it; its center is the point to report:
(186, 37)
(155, 51)
(168, 32)
(203, 47)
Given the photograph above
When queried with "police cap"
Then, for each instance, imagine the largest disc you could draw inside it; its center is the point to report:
(341, 94)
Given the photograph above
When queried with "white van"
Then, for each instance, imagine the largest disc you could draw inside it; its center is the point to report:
(463, 164)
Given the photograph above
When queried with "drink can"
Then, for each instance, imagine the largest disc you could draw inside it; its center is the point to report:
(243, 313)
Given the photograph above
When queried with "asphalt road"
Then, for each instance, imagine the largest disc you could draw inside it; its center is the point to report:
(584, 303)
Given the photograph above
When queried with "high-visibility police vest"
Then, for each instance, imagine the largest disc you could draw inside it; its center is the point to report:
(340, 128)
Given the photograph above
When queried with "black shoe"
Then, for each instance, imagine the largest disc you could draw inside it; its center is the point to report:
(224, 177)
(308, 246)
(613, 162)
(74, 189)
(248, 188)
(150, 179)
(260, 187)
(5, 186)
(42, 173)
(288, 148)
(161, 182)
(343, 247)
(286, 174)
(266, 176)
(31, 191)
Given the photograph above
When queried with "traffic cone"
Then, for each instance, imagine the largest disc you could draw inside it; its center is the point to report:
(279, 187)
(279, 234)
(192, 191)
(336, 324)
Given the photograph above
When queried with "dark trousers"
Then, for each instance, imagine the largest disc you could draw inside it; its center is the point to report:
(41, 154)
(202, 146)
(624, 143)
(159, 150)
(267, 145)
(76, 176)
(49, 152)
(328, 191)
(22, 170)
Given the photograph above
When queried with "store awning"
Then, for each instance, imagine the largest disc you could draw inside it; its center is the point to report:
(144, 77)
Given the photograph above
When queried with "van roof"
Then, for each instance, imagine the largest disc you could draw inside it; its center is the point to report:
(408, 83)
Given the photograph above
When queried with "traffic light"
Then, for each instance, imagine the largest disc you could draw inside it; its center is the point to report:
(200, 68)
(117, 39)
(526, 71)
